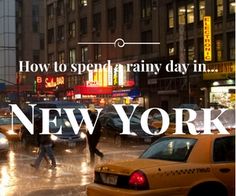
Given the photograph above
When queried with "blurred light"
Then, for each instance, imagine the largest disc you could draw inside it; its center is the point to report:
(5, 178)
(67, 123)
(230, 81)
(82, 135)
(3, 141)
(53, 137)
(216, 83)
(11, 132)
(68, 151)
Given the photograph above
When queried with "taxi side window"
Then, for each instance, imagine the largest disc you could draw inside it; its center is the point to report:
(224, 149)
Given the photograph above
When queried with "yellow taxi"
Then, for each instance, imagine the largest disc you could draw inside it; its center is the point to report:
(173, 165)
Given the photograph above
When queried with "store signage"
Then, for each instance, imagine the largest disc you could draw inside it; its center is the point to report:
(51, 82)
(207, 38)
(92, 83)
(221, 70)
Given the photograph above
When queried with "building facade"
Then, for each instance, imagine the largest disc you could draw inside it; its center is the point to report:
(177, 25)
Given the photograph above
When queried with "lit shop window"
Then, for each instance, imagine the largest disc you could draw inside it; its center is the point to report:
(171, 18)
(72, 4)
(232, 6)
(72, 56)
(83, 3)
(72, 30)
(219, 49)
(219, 8)
(61, 57)
(201, 9)
(84, 54)
(146, 10)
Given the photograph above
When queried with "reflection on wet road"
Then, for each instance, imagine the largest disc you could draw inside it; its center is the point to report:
(70, 177)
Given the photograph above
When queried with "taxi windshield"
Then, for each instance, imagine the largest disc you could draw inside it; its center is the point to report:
(171, 149)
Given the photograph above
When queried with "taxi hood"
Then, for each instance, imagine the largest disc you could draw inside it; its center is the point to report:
(127, 167)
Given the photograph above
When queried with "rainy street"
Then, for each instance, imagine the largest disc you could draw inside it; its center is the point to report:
(71, 176)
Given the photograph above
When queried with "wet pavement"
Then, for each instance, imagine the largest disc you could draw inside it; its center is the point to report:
(71, 176)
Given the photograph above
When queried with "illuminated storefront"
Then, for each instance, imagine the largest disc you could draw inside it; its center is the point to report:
(221, 77)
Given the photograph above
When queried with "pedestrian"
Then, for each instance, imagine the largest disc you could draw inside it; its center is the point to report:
(93, 138)
(45, 147)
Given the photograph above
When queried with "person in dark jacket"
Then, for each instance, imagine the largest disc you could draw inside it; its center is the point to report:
(45, 146)
(93, 138)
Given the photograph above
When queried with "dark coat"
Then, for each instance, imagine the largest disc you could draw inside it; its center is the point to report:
(93, 138)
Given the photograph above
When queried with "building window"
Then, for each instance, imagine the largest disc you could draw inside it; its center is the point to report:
(219, 49)
(97, 22)
(51, 59)
(35, 17)
(146, 36)
(219, 8)
(61, 57)
(231, 43)
(201, 9)
(83, 3)
(72, 5)
(97, 52)
(200, 50)
(84, 54)
(182, 14)
(60, 33)
(50, 11)
(231, 6)
(72, 56)
(190, 13)
(60, 7)
(128, 13)
(83, 25)
(36, 56)
(170, 18)
(111, 17)
(146, 8)
(50, 36)
(171, 50)
(190, 51)
(72, 30)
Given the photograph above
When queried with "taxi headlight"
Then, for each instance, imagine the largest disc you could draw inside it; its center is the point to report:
(3, 141)
(82, 135)
(53, 137)
(11, 132)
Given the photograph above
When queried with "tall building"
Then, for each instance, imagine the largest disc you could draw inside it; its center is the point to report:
(22, 39)
(177, 25)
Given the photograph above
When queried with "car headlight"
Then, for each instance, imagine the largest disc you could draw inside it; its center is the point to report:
(3, 141)
(82, 135)
(53, 137)
(11, 132)
(67, 123)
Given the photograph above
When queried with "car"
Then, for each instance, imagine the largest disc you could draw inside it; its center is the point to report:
(113, 127)
(68, 139)
(190, 165)
(6, 127)
(4, 146)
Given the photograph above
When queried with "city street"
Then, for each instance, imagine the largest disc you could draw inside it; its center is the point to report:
(70, 177)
